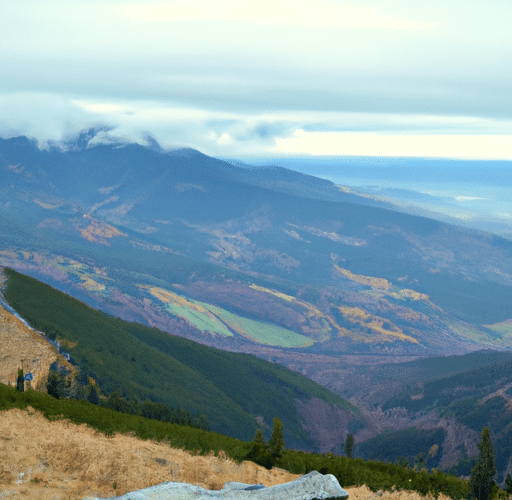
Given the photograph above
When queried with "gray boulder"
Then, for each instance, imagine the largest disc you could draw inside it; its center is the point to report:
(308, 487)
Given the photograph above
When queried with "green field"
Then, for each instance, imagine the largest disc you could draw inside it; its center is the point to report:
(201, 321)
(214, 319)
(264, 333)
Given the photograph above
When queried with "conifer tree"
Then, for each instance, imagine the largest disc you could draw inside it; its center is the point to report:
(403, 462)
(420, 462)
(276, 442)
(56, 385)
(349, 445)
(78, 392)
(259, 438)
(482, 476)
(203, 422)
(259, 452)
(508, 484)
(92, 396)
(117, 402)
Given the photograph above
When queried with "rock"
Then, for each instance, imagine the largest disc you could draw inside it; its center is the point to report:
(308, 487)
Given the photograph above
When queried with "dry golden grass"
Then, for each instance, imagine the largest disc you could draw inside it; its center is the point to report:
(98, 231)
(376, 324)
(61, 460)
(377, 283)
(364, 493)
(19, 343)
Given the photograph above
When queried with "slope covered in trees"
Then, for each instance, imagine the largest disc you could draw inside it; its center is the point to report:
(348, 471)
(230, 389)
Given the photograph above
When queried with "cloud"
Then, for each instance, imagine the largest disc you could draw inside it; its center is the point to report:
(395, 144)
(263, 57)
(40, 115)
(468, 198)
(101, 108)
(50, 117)
(407, 123)
(504, 215)
(304, 13)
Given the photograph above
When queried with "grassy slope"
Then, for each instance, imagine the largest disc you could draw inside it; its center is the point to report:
(231, 389)
(349, 472)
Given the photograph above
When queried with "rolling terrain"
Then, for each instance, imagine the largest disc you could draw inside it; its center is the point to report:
(237, 392)
(247, 258)
(266, 261)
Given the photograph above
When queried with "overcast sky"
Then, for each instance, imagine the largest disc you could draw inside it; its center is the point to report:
(239, 78)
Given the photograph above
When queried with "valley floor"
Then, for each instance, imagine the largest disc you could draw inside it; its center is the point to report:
(60, 460)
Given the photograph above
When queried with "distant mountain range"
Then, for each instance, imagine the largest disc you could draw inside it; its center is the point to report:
(258, 260)
(149, 234)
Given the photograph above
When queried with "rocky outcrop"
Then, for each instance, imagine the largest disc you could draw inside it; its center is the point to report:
(20, 347)
(308, 487)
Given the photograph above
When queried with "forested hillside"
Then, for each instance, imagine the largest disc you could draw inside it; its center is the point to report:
(234, 391)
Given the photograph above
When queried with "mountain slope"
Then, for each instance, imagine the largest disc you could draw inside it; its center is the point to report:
(110, 223)
(138, 464)
(231, 389)
(468, 392)
(262, 261)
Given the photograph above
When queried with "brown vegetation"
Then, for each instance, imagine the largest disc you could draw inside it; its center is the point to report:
(60, 460)
(23, 347)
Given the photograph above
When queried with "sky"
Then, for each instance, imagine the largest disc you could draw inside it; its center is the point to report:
(272, 78)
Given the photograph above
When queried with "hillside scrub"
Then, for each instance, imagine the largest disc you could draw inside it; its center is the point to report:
(60, 460)
(70, 386)
(118, 464)
(349, 471)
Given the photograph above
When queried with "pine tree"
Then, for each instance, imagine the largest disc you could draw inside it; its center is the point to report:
(203, 422)
(92, 396)
(508, 484)
(420, 462)
(56, 385)
(349, 445)
(117, 402)
(259, 438)
(276, 443)
(403, 462)
(259, 452)
(482, 475)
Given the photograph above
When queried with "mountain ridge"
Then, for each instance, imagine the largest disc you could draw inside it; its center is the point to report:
(254, 231)
(231, 258)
